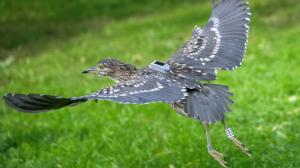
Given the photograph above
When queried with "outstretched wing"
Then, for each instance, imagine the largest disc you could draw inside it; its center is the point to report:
(142, 89)
(34, 103)
(222, 42)
(146, 87)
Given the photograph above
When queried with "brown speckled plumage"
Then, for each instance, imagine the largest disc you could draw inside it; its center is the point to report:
(181, 81)
(116, 70)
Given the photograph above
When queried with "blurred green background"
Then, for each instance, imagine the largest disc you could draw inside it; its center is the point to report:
(44, 45)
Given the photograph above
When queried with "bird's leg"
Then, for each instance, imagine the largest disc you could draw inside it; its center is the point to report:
(215, 154)
(231, 136)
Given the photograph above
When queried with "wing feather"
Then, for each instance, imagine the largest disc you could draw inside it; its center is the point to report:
(221, 44)
(142, 89)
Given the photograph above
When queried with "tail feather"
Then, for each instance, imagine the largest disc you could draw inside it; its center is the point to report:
(209, 104)
(35, 103)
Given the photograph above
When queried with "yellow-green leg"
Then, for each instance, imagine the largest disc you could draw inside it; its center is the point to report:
(215, 154)
(231, 136)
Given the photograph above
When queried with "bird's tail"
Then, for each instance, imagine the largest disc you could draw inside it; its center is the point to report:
(34, 103)
(209, 104)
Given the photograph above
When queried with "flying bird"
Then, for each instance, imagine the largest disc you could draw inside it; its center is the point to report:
(182, 81)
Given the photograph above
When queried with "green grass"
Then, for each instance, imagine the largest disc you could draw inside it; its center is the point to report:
(44, 47)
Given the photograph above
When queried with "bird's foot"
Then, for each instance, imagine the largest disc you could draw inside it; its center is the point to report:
(218, 157)
(241, 146)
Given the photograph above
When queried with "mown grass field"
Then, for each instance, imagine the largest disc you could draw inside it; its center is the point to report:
(45, 45)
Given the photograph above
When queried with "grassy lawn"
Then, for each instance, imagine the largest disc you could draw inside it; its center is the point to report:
(44, 47)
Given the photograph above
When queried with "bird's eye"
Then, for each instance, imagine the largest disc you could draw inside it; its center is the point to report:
(101, 66)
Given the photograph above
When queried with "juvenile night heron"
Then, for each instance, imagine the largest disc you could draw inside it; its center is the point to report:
(181, 81)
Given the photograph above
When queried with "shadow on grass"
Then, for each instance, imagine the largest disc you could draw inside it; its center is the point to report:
(28, 26)
(277, 14)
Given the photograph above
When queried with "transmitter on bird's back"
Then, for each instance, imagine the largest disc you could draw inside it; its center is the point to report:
(159, 66)
(183, 81)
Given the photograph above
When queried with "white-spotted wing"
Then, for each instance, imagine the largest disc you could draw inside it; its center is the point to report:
(222, 42)
(146, 88)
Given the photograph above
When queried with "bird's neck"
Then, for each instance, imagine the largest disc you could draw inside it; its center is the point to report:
(124, 76)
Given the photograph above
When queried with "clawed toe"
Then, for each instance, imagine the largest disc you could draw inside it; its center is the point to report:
(231, 136)
(218, 157)
(241, 146)
(215, 154)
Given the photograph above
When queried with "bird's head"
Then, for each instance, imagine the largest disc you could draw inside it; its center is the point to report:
(114, 69)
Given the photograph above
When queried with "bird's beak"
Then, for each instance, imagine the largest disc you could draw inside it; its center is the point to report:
(90, 70)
